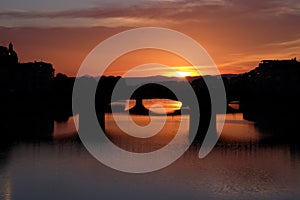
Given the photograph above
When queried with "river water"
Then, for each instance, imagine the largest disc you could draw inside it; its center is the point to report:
(246, 163)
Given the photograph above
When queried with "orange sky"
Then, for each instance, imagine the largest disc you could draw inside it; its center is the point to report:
(237, 34)
(140, 57)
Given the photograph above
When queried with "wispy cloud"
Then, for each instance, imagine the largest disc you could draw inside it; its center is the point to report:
(156, 11)
(294, 42)
(62, 22)
(244, 62)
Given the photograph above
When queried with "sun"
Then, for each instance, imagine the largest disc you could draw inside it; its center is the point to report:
(183, 74)
(180, 74)
(182, 71)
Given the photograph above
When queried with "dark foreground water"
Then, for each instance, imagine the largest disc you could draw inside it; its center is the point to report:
(247, 163)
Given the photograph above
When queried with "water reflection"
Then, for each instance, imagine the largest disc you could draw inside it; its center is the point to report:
(148, 144)
(158, 106)
(5, 192)
(246, 163)
(162, 105)
(239, 130)
(66, 129)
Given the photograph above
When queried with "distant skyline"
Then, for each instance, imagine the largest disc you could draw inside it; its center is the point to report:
(236, 33)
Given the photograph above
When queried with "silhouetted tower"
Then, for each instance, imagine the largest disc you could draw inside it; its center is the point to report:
(8, 57)
(12, 54)
(10, 47)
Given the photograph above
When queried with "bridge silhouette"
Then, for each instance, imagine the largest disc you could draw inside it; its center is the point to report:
(157, 91)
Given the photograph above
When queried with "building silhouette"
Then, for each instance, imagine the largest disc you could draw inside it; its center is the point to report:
(20, 78)
(8, 56)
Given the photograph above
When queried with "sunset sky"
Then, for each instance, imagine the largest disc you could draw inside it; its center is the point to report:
(236, 33)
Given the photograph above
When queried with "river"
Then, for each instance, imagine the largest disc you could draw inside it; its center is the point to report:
(246, 163)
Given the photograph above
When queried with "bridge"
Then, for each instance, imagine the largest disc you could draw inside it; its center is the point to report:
(155, 91)
(148, 91)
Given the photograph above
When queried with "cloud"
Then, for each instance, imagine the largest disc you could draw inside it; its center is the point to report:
(245, 61)
(288, 43)
(168, 10)
(58, 22)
